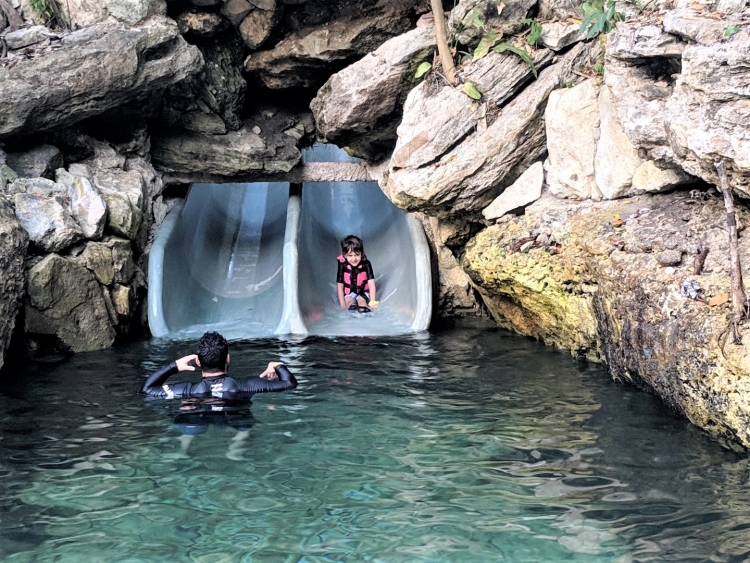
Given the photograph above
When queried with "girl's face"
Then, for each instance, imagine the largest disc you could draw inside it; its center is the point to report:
(353, 258)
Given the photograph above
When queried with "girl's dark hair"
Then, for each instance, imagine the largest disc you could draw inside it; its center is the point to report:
(350, 243)
(212, 351)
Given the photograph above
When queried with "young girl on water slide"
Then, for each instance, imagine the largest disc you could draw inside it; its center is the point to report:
(355, 282)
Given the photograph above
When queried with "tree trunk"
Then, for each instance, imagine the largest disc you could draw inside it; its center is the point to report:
(446, 57)
(739, 297)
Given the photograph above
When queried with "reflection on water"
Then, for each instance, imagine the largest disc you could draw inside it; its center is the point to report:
(467, 445)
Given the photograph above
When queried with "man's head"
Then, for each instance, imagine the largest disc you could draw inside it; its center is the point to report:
(213, 352)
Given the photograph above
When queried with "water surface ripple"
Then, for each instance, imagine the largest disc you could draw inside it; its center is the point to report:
(460, 445)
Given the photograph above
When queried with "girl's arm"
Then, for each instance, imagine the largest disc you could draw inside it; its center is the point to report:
(340, 294)
(373, 292)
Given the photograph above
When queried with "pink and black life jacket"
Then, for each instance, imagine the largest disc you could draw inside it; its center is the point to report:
(354, 278)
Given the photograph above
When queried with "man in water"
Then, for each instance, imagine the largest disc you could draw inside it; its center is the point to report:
(213, 359)
(217, 399)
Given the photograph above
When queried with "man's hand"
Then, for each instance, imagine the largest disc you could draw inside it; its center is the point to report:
(188, 363)
(270, 372)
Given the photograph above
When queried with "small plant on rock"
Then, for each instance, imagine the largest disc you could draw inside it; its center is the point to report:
(599, 17)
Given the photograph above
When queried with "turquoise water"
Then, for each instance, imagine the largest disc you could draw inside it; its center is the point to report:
(461, 445)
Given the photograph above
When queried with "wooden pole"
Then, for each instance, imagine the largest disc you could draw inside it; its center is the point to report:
(446, 57)
(739, 296)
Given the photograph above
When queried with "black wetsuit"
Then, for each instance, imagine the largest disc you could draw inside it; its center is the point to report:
(221, 387)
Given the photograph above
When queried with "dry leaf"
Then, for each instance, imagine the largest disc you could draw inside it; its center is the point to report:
(718, 299)
(256, 130)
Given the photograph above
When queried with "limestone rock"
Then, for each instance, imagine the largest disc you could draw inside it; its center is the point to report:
(641, 102)
(559, 35)
(201, 24)
(686, 24)
(649, 177)
(572, 121)
(257, 27)
(708, 112)
(616, 159)
(471, 175)
(208, 123)
(111, 261)
(218, 90)
(434, 122)
(37, 186)
(633, 41)
(306, 58)
(132, 12)
(454, 293)
(87, 207)
(560, 9)
(525, 190)
(96, 69)
(123, 300)
(64, 299)
(236, 10)
(238, 154)
(359, 107)
(125, 196)
(83, 13)
(48, 223)
(27, 36)
(41, 161)
(13, 244)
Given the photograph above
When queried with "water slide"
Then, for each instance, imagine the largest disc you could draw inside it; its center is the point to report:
(251, 260)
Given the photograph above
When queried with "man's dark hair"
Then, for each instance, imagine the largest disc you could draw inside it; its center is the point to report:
(350, 243)
(212, 351)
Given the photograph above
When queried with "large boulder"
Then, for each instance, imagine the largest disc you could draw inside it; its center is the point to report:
(39, 162)
(360, 106)
(306, 58)
(47, 220)
(13, 244)
(461, 166)
(266, 144)
(97, 68)
(616, 281)
(680, 91)
(64, 300)
(210, 101)
(126, 199)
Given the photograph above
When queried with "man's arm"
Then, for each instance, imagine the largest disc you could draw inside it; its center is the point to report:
(154, 385)
(276, 377)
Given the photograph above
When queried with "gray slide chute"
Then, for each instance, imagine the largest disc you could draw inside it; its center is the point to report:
(394, 243)
(250, 261)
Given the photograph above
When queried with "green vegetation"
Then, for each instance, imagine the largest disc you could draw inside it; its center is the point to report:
(471, 91)
(535, 33)
(731, 30)
(422, 69)
(49, 12)
(599, 17)
(520, 51)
